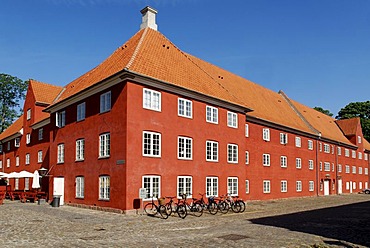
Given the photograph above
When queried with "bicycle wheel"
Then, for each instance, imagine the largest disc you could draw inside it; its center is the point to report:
(235, 207)
(212, 208)
(163, 211)
(150, 209)
(168, 208)
(242, 205)
(181, 211)
(197, 209)
(223, 207)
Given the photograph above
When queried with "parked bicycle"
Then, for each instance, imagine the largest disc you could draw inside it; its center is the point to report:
(152, 209)
(211, 206)
(193, 207)
(178, 207)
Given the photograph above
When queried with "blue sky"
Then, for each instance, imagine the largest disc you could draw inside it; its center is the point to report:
(316, 51)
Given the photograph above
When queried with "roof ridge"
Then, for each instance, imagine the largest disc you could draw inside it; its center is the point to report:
(138, 46)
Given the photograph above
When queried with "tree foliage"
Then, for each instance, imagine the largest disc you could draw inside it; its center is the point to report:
(358, 109)
(12, 92)
(324, 111)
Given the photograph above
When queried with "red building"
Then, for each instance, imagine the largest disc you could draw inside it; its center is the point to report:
(152, 116)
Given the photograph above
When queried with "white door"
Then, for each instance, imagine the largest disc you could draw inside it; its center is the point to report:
(350, 186)
(340, 191)
(326, 187)
(59, 188)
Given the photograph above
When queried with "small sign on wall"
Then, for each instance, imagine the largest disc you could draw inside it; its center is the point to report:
(142, 193)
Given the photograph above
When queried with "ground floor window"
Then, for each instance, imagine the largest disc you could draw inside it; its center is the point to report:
(284, 186)
(311, 185)
(152, 185)
(299, 186)
(104, 188)
(232, 186)
(16, 186)
(247, 186)
(184, 186)
(26, 183)
(80, 187)
(266, 186)
(211, 186)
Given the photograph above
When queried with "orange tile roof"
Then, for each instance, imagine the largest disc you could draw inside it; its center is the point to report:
(13, 129)
(44, 93)
(323, 123)
(349, 126)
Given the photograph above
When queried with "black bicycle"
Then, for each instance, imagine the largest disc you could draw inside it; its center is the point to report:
(193, 207)
(211, 206)
(152, 209)
(178, 207)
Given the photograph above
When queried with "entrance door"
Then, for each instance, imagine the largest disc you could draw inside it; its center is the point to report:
(59, 188)
(340, 191)
(326, 187)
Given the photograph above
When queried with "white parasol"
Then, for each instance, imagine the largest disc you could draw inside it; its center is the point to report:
(36, 180)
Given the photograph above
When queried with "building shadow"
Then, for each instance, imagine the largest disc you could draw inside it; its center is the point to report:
(347, 223)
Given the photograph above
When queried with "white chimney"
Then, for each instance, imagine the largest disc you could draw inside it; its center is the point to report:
(148, 19)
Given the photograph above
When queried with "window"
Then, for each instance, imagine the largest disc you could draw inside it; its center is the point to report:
(320, 146)
(266, 186)
(151, 100)
(266, 159)
(297, 141)
(326, 148)
(339, 151)
(151, 144)
(211, 186)
(353, 154)
(320, 166)
(211, 151)
(310, 164)
(104, 188)
(1, 164)
(326, 166)
(81, 111)
(60, 119)
(246, 157)
(184, 186)
(17, 161)
(332, 167)
(80, 187)
(184, 148)
(284, 186)
(16, 184)
(247, 186)
(266, 134)
(105, 102)
(211, 114)
(8, 162)
(311, 186)
(359, 139)
(152, 184)
(246, 130)
(339, 168)
(39, 157)
(283, 138)
(41, 133)
(347, 169)
(298, 163)
(27, 183)
(360, 185)
(353, 169)
(232, 119)
(8, 144)
(80, 149)
(360, 170)
(346, 152)
(27, 159)
(104, 145)
(28, 138)
(283, 161)
(359, 155)
(232, 186)
(299, 186)
(28, 114)
(60, 158)
(366, 171)
(310, 145)
(1, 148)
(185, 108)
(332, 149)
(17, 142)
(232, 153)
(366, 156)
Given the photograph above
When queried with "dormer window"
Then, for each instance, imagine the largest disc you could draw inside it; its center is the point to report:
(17, 142)
(359, 140)
(28, 114)
(28, 138)
(60, 119)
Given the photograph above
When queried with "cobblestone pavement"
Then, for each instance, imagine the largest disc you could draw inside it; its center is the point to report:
(333, 221)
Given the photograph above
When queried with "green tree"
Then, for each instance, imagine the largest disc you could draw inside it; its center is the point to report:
(12, 92)
(358, 109)
(324, 111)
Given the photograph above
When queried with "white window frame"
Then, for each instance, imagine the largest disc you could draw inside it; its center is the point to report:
(184, 148)
(298, 141)
(60, 153)
(17, 142)
(311, 186)
(348, 169)
(246, 157)
(232, 153)
(185, 108)
(28, 158)
(211, 186)
(298, 163)
(366, 156)
(152, 184)
(246, 130)
(8, 163)
(185, 186)
(211, 151)
(27, 183)
(80, 149)
(104, 187)
(41, 134)
(266, 134)
(17, 161)
(339, 168)
(353, 154)
(360, 170)
(232, 119)
(80, 187)
(1, 164)
(16, 184)
(28, 139)
(104, 145)
(284, 186)
(266, 186)
(359, 140)
(283, 138)
(8, 145)
(81, 111)
(152, 144)
(28, 114)
(266, 158)
(354, 169)
(152, 100)
(105, 102)
(359, 155)
(366, 172)
(283, 161)
(310, 164)
(299, 186)
(310, 144)
(247, 185)
(232, 186)
(60, 118)
(211, 114)
(346, 152)
(326, 148)
(339, 151)
(39, 156)
(326, 166)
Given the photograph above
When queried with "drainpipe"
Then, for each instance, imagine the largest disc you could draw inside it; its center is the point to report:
(336, 168)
